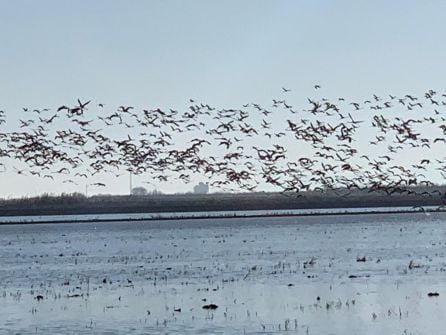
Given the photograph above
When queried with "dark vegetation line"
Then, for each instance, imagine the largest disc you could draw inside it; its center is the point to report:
(76, 204)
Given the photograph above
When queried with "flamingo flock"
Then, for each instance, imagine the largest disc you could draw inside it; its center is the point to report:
(383, 143)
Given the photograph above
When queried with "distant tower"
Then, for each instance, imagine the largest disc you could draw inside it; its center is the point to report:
(131, 184)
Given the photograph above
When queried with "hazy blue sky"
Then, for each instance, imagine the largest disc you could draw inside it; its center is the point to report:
(225, 52)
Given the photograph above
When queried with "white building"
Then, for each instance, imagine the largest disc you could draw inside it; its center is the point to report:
(201, 188)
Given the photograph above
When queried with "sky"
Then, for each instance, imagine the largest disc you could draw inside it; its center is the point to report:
(161, 53)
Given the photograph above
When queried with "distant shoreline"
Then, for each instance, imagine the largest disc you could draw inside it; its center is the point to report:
(47, 206)
(242, 215)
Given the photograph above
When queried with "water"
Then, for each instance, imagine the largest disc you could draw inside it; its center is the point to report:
(141, 216)
(267, 276)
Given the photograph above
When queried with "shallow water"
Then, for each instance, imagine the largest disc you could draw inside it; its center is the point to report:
(265, 275)
(141, 216)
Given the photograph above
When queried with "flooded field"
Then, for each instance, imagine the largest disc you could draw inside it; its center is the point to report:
(362, 274)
